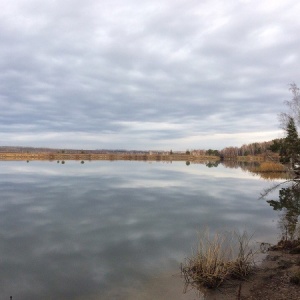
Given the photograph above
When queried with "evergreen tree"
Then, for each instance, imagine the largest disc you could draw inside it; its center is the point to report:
(276, 146)
(290, 149)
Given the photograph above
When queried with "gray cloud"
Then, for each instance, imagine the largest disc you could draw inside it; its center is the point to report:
(156, 74)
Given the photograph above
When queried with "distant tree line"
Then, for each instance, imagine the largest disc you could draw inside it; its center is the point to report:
(249, 149)
(245, 150)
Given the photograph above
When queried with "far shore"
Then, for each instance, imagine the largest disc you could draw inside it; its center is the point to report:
(31, 156)
(16, 154)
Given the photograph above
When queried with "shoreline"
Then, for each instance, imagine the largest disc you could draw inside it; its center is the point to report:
(270, 280)
(50, 156)
(127, 155)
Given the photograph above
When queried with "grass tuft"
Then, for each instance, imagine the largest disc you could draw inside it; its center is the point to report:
(218, 258)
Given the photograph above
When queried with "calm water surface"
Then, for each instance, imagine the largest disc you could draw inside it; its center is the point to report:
(116, 230)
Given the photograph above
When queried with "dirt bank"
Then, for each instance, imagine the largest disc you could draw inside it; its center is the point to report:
(271, 280)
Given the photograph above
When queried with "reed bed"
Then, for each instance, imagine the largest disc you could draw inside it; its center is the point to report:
(269, 166)
(219, 258)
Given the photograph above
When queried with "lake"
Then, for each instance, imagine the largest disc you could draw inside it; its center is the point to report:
(117, 230)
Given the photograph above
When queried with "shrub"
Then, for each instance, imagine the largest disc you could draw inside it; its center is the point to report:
(218, 258)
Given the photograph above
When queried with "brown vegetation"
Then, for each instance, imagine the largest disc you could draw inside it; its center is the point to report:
(219, 258)
(277, 277)
(269, 166)
(104, 156)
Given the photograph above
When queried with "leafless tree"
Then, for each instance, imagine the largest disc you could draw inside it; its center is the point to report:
(293, 107)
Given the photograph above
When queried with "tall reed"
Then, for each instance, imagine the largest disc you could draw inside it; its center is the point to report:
(269, 166)
(218, 258)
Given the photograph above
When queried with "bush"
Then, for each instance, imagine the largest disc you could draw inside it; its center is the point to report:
(219, 258)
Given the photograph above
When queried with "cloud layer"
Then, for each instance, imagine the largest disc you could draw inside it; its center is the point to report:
(158, 74)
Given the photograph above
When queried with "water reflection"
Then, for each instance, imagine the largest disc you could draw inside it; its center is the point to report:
(289, 204)
(213, 164)
(105, 230)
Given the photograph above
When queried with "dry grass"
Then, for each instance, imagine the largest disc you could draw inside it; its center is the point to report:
(243, 261)
(218, 258)
(269, 166)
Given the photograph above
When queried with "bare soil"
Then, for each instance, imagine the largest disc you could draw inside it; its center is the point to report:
(270, 281)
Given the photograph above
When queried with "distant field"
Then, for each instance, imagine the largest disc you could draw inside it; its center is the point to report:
(103, 156)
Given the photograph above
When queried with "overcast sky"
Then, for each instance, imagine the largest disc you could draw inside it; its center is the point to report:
(152, 74)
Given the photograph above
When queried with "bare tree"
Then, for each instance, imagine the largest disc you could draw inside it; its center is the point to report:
(293, 107)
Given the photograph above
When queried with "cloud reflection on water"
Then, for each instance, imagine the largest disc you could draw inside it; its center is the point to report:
(76, 230)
